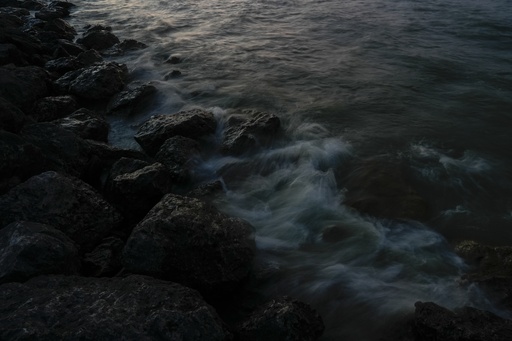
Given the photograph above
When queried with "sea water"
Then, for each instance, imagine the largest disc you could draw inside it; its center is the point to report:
(427, 83)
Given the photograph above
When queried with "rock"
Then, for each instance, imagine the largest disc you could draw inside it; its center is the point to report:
(9, 53)
(71, 48)
(19, 159)
(52, 108)
(138, 191)
(131, 100)
(86, 124)
(121, 48)
(105, 259)
(18, 12)
(172, 74)
(131, 308)
(379, 188)
(11, 117)
(282, 319)
(22, 86)
(98, 39)
(61, 28)
(32, 249)
(335, 233)
(126, 165)
(99, 81)
(178, 154)
(248, 130)
(192, 124)
(67, 64)
(173, 60)
(206, 192)
(188, 241)
(66, 203)
(433, 322)
(32, 5)
(53, 12)
(11, 32)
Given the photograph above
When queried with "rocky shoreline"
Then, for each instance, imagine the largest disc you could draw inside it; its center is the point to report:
(99, 242)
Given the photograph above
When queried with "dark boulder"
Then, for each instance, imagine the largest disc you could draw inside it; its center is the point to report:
(11, 117)
(192, 124)
(64, 202)
(86, 124)
(206, 192)
(123, 47)
(282, 319)
(188, 241)
(21, 13)
(61, 28)
(172, 74)
(54, 107)
(379, 188)
(9, 54)
(67, 64)
(138, 191)
(433, 322)
(126, 165)
(32, 5)
(249, 130)
(99, 81)
(22, 86)
(132, 100)
(81, 308)
(174, 59)
(178, 154)
(52, 12)
(105, 259)
(31, 249)
(98, 39)
(71, 48)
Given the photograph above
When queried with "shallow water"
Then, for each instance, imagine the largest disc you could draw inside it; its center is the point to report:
(427, 83)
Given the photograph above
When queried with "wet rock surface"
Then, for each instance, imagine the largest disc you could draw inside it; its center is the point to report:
(192, 124)
(188, 241)
(31, 249)
(98, 38)
(178, 154)
(52, 108)
(105, 259)
(22, 86)
(131, 308)
(85, 124)
(131, 100)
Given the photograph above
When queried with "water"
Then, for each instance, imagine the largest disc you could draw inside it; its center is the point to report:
(428, 83)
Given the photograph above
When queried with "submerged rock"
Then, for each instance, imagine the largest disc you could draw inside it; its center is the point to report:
(131, 308)
(32, 249)
(188, 241)
(66, 203)
(282, 319)
(379, 188)
(125, 46)
(192, 124)
(248, 130)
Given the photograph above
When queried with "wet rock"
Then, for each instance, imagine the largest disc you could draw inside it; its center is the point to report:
(123, 47)
(54, 107)
(131, 308)
(86, 124)
(19, 160)
(178, 154)
(32, 249)
(172, 74)
(11, 32)
(99, 81)
(105, 259)
(433, 322)
(379, 188)
(188, 241)
(32, 5)
(16, 11)
(23, 85)
(98, 38)
(52, 12)
(282, 319)
(132, 100)
(206, 192)
(126, 165)
(173, 60)
(192, 124)
(138, 191)
(67, 203)
(71, 48)
(11, 117)
(249, 130)
(67, 64)
(61, 28)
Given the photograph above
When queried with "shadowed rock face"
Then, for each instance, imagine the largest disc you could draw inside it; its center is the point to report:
(188, 241)
(131, 308)
(192, 124)
(66, 203)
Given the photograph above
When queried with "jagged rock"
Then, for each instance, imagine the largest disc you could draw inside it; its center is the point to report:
(11, 117)
(121, 48)
(99, 81)
(71, 48)
(126, 165)
(173, 60)
(52, 108)
(31, 249)
(207, 191)
(52, 12)
(138, 191)
(131, 100)
(98, 39)
(19, 160)
(379, 188)
(22, 86)
(105, 259)
(433, 322)
(67, 64)
(188, 241)
(81, 308)
(192, 124)
(32, 5)
(249, 130)
(282, 319)
(86, 124)
(64, 202)
(11, 32)
(61, 28)
(178, 154)
(16, 11)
